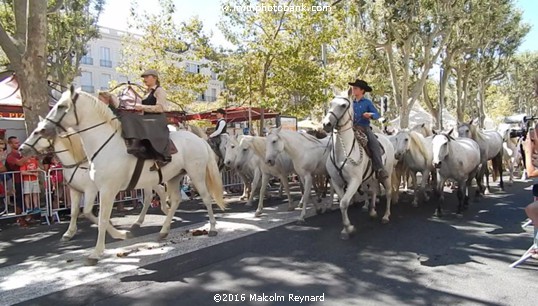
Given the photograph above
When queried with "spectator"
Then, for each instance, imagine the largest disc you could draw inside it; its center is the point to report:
(531, 162)
(14, 162)
(31, 189)
(3, 156)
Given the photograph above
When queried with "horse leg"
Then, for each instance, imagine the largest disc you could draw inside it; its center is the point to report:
(286, 186)
(498, 164)
(148, 195)
(306, 196)
(246, 189)
(486, 173)
(440, 191)
(206, 198)
(265, 181)
(344, 205)
(254, 187)
(163, 195)
(387, 184)
(75, 210)
(89, 199)
(175, 199)
(106, 200)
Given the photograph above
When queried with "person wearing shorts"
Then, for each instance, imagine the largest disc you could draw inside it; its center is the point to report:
(30, 185)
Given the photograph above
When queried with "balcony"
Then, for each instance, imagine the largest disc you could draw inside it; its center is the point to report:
(204, 98)
(105, 63)
(86, 60)
(88, 88)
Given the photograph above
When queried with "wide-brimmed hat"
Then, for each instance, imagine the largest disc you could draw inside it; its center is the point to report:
(361, 84)
(152, 72)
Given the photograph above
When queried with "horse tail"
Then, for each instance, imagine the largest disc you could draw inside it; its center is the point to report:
(497, 164)
(214, 179)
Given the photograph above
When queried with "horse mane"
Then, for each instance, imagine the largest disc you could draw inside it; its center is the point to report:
(418, 143)
(73, 144)
(476, 133)
(102, 110)
(309, 137)
(196, 130)
(258, 144)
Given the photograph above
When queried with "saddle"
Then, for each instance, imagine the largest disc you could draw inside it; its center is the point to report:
(362, 139)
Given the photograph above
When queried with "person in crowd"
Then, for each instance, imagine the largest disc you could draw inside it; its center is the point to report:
(531, 161)
(30, 187)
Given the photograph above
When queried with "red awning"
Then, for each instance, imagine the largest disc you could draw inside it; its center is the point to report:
(234, 114)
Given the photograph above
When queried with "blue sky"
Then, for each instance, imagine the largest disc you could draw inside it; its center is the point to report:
(116, 14)
(530, 15)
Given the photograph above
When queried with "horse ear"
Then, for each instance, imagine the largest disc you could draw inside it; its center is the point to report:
(434, 132)
(423, 125)
(41, 118)
(450, 132)
(72, 90)
(471, 122)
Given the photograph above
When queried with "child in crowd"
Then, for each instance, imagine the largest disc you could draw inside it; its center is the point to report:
(31, 189)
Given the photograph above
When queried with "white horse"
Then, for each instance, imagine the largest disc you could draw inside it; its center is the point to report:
(512, 156)
(308, 155)
(70, 153)
(111, 167)
(224, 138)
(349, 166)
(415, 151)
(249, 170)
(491, 147)
(457, 159)
(252, 149)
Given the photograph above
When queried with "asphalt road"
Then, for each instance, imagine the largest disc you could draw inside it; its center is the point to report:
(416, 259)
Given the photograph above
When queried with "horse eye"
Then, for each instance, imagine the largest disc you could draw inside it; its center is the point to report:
(245, 149)
(233, 147)
(274, 141)
(406, 139)
(342, 106)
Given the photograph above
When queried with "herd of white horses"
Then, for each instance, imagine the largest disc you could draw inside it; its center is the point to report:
(86, 137)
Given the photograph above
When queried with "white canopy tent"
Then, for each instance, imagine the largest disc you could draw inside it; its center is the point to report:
(419, 115)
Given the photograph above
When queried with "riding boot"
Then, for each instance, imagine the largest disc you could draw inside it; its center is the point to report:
(134, 146)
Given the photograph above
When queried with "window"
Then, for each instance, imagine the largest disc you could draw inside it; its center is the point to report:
(105, 81)
(87, 59)
(192, 68)
(105, 57)
(213, 96)
(86, 82)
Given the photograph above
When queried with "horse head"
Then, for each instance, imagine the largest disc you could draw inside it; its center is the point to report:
(230, 150)
(274, 146)
(339, 114)
(440, 147)
(36, 143)
(401, 144)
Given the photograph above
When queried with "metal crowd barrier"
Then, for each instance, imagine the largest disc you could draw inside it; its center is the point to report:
(30, 195)
(54, 193)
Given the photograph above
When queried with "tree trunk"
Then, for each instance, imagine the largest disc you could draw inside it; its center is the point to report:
(481, 96)
(404, 117)
(33, 78)
(434, 112)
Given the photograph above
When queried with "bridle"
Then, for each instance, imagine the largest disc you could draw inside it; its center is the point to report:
(59, 125)
(77, 165)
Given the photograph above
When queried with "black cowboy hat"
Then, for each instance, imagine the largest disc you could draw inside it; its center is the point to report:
(361, 84)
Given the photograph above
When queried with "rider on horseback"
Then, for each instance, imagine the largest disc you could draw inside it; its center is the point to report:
(220, 129)
(154, 104)
(364, 110)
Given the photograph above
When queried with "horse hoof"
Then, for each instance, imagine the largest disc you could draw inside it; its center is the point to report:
(212, 233)
(438, 214)
(91, 261)
(162, 236)
(66, 238)
(301, 221)
(129, 234)
(319, 211)
(344, 236)
(415, 205)
(135, 226)
(248, 204)
(258, 214)
(242, 198)
(291, 208)
(385, 220)
(373, 215)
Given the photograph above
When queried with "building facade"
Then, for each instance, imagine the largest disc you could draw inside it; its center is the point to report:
(98, 67)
